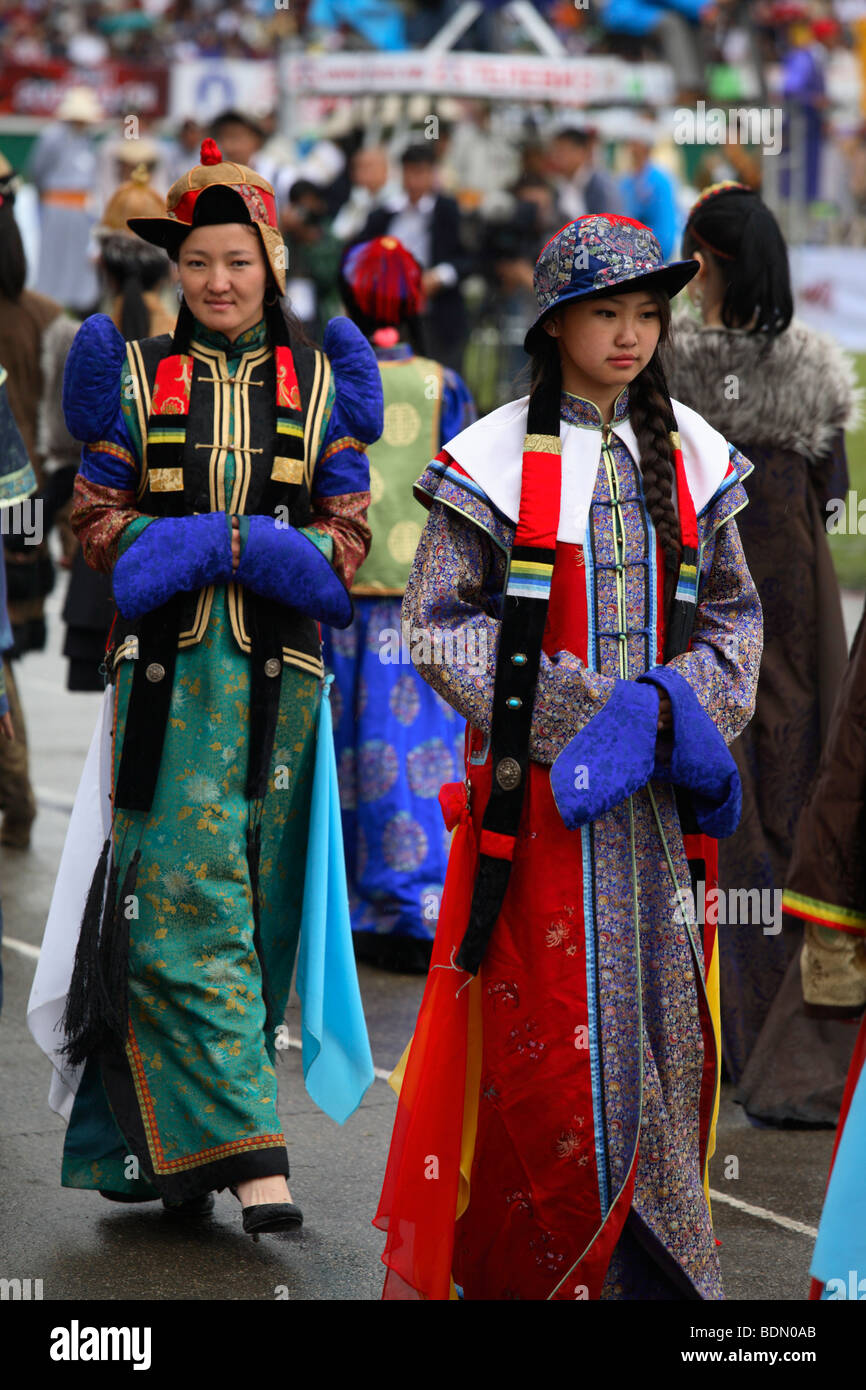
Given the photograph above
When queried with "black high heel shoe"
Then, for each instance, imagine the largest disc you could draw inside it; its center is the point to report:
(269, 1216)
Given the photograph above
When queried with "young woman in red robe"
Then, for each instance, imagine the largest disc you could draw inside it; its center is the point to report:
(557, 1099)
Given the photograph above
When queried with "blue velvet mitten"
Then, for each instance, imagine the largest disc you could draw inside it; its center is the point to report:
(700, 760)
(173, 554)
(279, 562)
(612, 756)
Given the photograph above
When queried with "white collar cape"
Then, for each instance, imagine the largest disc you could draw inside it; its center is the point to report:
(491, 452)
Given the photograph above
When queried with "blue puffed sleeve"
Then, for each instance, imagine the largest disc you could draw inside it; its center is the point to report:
(458, 407)
(358, 414)
(92, 404)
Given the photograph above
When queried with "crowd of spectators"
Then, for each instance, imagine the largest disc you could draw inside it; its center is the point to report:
(474, 205)
(476, 197)
(686, 33)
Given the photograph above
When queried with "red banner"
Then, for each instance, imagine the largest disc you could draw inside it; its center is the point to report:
(124, 89)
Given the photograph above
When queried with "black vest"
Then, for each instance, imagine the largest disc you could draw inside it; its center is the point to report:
(274, 443)
(273, 470)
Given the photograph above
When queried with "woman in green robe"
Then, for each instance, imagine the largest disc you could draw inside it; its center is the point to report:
(224, 485)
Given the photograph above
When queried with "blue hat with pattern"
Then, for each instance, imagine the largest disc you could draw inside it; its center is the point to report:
(595, 255)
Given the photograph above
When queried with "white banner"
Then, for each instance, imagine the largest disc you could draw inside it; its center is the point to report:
(202, 88)
(517, 77)
(206, 86)
(830, 291)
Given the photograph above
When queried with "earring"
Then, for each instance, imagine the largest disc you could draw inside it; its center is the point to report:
(269, 303)
(178, 289)
(698, 298)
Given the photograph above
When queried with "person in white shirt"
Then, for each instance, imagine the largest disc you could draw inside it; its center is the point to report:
(427, 223)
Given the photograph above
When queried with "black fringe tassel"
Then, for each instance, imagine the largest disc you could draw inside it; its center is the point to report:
(97, 1006)
(82, 1018)
(114, 955)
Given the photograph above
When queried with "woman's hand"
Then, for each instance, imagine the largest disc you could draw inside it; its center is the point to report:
(665, 714)
(236, 542)
(6, 725)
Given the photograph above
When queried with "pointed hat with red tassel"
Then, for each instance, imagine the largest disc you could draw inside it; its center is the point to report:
(233, 193)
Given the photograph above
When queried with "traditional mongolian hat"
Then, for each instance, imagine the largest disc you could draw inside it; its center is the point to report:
(214, 192)
(593, 256)
(384, 280)
(133, 199)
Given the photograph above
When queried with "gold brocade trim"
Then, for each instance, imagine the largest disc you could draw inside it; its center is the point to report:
(291, 656)
(236, 618)
(135, 362)
(675, 439)
(314, 665)
(287, 470)
(128, 648)
(376, 590)
(166, 479)
(231, 403)
(204, 604)
(243, 435)
(315, 413)
(542, 444)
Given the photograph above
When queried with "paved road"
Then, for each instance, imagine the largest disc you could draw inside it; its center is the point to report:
(84, 1248)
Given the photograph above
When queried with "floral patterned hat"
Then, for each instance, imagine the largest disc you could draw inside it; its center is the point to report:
(595, 255)
(232, 193)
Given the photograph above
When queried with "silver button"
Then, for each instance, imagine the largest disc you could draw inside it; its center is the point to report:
(508, 773)
(155, 672)
(272, 666)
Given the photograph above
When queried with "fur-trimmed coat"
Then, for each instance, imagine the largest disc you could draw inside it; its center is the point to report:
(786, 408)
(797, 397)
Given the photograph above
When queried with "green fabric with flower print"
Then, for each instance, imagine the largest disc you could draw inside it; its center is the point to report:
(196, 1006)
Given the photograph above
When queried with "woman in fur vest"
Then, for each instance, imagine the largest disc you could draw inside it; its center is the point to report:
(784, 395)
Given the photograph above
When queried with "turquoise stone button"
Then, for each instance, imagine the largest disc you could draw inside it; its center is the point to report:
(514, 702)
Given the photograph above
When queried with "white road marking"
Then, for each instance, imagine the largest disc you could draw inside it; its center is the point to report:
(22, 947)
(49, 800)
(787, 1222)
